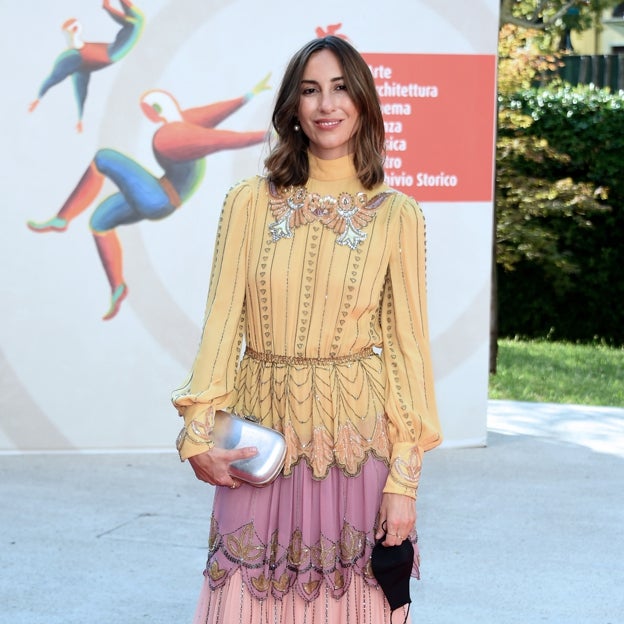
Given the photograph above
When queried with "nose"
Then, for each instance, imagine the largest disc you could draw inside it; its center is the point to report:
(326, 104)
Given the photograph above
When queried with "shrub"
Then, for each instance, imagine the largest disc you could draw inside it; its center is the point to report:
(560, 247)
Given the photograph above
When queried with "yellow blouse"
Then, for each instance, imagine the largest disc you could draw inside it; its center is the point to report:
(325, 287)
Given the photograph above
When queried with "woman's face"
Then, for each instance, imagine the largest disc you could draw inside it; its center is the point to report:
(326, 112)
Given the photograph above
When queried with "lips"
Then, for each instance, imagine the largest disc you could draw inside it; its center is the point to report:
(327, 124)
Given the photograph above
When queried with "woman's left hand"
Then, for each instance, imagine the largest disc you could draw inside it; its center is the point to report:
(398, 512)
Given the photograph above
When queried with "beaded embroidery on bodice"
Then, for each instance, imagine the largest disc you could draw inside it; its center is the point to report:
(346, 215)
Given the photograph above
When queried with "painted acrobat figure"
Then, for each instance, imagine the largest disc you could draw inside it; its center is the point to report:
(180, 145)
(82, 58)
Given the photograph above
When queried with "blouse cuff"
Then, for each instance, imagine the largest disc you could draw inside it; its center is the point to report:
(196, 435)
(405, 467)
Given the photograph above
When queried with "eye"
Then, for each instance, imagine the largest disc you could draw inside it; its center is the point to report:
(341, 87)
(308, 91)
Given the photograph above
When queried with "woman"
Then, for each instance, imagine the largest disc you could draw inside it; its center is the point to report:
(317, 267)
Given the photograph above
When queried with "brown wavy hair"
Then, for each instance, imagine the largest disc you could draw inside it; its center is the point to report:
(287, 164)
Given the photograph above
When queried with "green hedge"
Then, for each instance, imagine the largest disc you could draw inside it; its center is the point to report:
(587, 124)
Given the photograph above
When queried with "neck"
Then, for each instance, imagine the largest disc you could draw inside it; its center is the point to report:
(335, 169)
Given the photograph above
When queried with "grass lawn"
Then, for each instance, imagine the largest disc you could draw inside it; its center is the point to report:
(558, 372)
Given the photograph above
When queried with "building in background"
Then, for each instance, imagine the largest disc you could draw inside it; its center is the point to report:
(596, 56)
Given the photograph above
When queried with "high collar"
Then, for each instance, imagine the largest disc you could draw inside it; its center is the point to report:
(328, 170)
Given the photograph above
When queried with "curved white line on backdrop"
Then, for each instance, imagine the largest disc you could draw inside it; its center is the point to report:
(455, 345)
(32, 428)
(159, 312)
(29, 427)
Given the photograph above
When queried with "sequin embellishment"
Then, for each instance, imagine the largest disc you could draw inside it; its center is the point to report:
(346, 215)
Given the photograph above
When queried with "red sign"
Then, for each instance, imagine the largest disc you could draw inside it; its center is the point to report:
(439, 113)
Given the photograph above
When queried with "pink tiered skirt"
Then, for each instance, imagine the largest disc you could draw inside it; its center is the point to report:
(297, 552)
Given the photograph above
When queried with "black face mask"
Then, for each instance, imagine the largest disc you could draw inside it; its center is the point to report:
(392, 567)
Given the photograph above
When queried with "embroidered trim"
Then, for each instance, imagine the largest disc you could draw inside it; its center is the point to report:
(283, 562)
(407, 473)
(345, 215)
(198, 432)
(272, 358)
(279, 566)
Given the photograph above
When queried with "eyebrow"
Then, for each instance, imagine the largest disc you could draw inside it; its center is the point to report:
(337, 79)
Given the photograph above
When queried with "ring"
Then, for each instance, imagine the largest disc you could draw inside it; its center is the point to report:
(233, 486)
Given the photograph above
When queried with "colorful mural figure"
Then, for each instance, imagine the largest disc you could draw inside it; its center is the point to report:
(331, 29)
(180, 145)
(83, 58)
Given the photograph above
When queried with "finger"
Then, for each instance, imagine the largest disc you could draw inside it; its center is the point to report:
(393, 537)
(242, 453)
(211, 467)
(207, 477)
(232, 483)
(381, 527)
(393, 540)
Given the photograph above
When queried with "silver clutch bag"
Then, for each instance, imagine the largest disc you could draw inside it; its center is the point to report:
(232, 431)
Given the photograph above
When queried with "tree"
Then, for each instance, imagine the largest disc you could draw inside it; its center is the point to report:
(553, 16)
(533, 188)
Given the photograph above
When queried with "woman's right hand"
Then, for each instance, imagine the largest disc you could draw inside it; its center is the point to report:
(213, 466)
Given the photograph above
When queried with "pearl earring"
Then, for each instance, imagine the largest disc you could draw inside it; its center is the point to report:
(297, 127)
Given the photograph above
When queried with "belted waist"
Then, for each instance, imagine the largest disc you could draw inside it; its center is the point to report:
(273, 358)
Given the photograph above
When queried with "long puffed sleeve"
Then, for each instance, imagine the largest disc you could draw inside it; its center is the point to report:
(211, 383)
(410, 397)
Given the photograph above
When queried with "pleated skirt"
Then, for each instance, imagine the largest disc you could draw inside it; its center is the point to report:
(297, 552)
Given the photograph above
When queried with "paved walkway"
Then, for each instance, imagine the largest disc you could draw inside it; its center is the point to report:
(526, 531)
